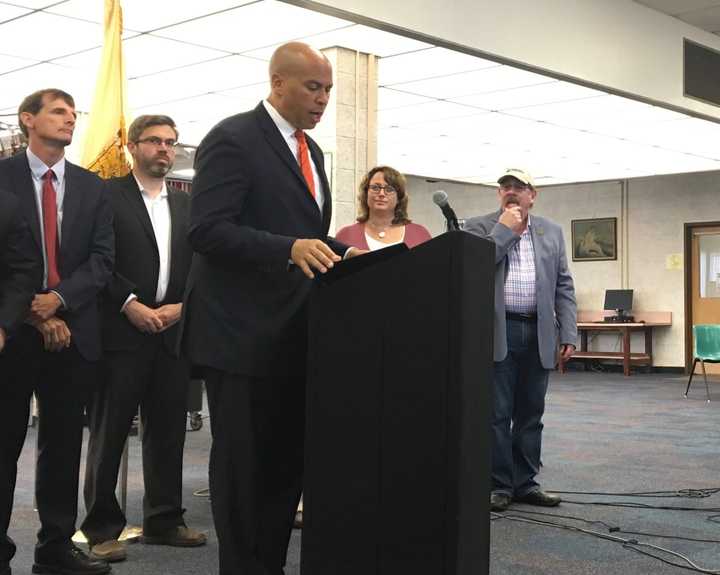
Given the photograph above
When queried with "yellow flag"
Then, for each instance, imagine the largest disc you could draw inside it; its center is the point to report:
(106, 136)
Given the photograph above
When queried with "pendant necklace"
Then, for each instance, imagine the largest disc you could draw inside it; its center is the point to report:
(380, 233)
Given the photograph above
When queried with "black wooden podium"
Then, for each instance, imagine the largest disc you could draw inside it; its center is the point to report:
(398, 413)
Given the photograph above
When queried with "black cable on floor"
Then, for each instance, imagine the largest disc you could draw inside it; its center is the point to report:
(681, 493)
(616, 528)
(631, 544)
(642, 505)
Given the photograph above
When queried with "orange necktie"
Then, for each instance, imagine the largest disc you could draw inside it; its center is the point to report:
(304, 159)
(49, 207)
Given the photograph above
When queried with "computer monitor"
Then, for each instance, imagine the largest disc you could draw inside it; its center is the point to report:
(619, 299)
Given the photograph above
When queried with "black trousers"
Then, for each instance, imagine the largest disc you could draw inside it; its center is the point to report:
(256, 465)
(62, 382)
(156, 381)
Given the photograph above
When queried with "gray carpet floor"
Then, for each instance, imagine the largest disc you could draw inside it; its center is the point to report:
(603, 433)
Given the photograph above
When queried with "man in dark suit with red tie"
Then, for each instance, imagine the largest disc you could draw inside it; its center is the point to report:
(56, 352)
(20, 268)
(141, 308)
(259, 219)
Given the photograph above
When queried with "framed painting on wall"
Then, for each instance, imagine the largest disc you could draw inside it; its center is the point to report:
(594, 240)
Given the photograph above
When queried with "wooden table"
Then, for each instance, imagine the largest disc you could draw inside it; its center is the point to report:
(589, 321)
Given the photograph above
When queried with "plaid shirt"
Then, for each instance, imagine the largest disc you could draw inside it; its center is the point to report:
(520, 294)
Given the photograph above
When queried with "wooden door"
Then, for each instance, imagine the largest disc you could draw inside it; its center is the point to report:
(705, 279)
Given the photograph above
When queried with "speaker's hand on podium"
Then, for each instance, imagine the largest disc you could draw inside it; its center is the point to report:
(313, 254)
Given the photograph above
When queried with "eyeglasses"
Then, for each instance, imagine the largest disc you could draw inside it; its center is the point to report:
(377, 188)
(514, 186)
(157, 142)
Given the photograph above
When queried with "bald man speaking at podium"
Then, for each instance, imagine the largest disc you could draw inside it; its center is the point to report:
(260, 215)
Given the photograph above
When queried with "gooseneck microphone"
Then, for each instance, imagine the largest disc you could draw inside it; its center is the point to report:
(441, 200)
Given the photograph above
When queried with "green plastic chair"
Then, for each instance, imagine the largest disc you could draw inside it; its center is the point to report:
(705, 348)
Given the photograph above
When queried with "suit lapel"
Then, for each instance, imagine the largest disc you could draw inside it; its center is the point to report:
(278, 144)
(319, 161)
(133, 197)
(22, 178)
(280, 147)
(176, 235)
(71, 204)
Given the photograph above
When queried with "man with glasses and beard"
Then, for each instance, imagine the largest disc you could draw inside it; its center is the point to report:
(534, 312)
(141, 308)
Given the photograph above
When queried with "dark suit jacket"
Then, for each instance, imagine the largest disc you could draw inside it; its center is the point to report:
(20, 268)
(137, 262)
(245, 309)
(86, 252)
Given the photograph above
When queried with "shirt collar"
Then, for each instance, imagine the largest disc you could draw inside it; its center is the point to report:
(285, 127)
(38, 167)
(163, 191)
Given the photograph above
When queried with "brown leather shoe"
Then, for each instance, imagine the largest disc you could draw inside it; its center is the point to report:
(540, 498)
(179, 536)
(112, 551)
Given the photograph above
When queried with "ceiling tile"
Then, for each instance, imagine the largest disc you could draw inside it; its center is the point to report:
(525, 96)
(353, 37)
(33, 4)
(389, 99)
(429, 63)
(76, 36)
(17, 85)
(226, 74)
(8, 12)
(253, 26)
(147, 54)
(610, 115)
(8, 63)
(143, 16)
(429, 113)
(476, 82)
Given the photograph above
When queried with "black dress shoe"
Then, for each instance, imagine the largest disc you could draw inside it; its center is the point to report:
(5, 570)
(499, 501)
(70, 561)
(540, 498)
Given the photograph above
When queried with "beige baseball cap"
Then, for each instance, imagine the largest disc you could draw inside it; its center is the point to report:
(518, 174)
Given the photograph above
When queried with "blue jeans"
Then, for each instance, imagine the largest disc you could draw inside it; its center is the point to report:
(520, 384)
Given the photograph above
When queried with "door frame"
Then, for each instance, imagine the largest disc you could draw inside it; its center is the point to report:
(687, 264)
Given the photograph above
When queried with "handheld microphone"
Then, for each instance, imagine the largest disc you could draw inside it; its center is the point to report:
(441, 200)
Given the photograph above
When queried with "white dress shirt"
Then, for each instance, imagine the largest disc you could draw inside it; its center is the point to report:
(159, 211)
(287, 130)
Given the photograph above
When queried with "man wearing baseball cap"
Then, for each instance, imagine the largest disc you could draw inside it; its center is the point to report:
(535, 315)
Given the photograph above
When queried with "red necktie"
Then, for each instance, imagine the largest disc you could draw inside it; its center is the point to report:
(49, 207)
(304, 159)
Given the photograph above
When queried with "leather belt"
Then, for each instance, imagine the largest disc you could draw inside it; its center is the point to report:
(527, 317)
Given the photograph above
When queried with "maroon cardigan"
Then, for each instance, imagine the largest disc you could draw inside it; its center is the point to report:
(354, 235)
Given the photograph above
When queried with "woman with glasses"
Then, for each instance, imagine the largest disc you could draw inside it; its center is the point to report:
(383, 220)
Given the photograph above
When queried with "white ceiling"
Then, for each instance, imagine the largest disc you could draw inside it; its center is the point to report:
(441, 114)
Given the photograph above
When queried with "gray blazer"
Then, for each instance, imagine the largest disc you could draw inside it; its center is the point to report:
(556, 308)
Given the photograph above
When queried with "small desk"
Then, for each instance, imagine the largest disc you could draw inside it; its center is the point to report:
(592, 321)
